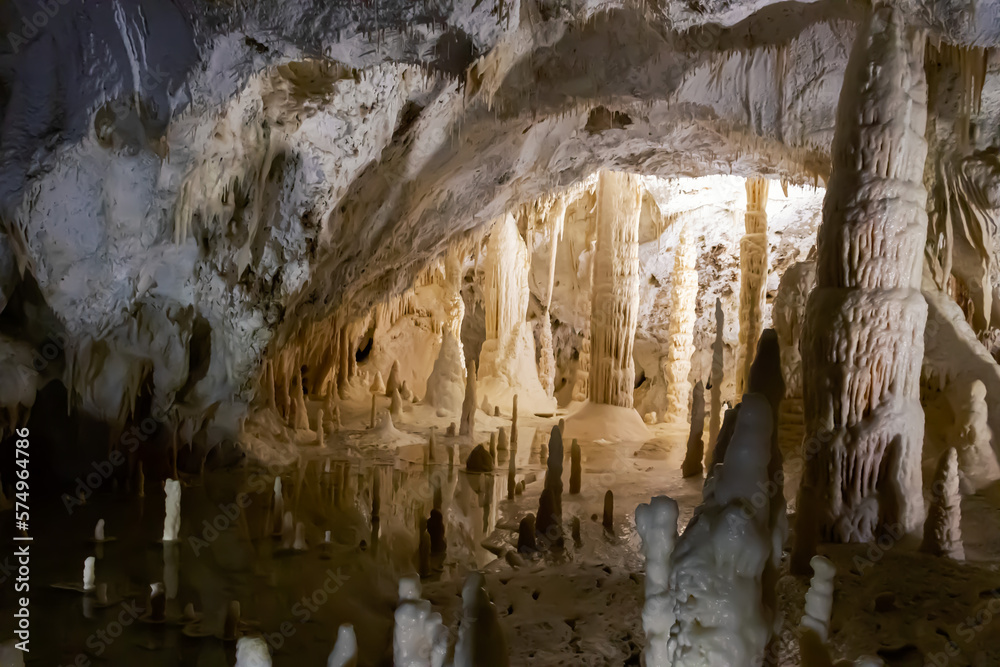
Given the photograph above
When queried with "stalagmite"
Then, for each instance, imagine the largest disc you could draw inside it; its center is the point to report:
(513, 427)
(788, 315)
(345, 651)
(574, 467)
(99, 531)
(479, 460)
(615, 300)
(481, 642)
(507, 358)
(454, 303)
(863, 340)
(468, 421)
(581, 385)
(252, 652)
(320, 439)
(172, 520)
(299, 401)
(156, 606)
(549, 520)
(446, 384)
(972, 438)
(753, 277)
(287, 530)
(943, 527)
(393, 383)
(695, 445)
(656, 524)
(724, 566)
(396, 404)
(493, 448)
(511, 476)
(378, 385)
(502, 445)
(684, 294)
(405, 393)
(300, 537)
(819, 598)
(88, 573)
(415, 626)
(718, 357)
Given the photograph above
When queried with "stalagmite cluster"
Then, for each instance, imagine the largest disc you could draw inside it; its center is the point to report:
(682, 316)
(615, 301)
(864, 332)
(753, 277)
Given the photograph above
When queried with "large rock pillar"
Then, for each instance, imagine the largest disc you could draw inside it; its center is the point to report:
(615, 304)
(753, 278)
(682, 317)
(863, 340)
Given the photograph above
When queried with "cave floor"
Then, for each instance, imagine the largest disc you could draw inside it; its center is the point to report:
(580, 605)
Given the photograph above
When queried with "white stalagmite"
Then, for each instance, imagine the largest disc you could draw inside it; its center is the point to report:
(943, 528)
(507, 358)
(89, 579)
(252, 652)
(396, 404)
(682, 317)
(726, 558)
(172, 518)
(416, 627)
(863, 341)
(393, 383)
(345, 651)
(446, 384)
(753, 277)
(788, 316)
(454, 303)
(656, 524)
(972, 437)
(819, 598)
(377, 385)
(718, 375)
(99, 531)
(555, 220)
(615, 300)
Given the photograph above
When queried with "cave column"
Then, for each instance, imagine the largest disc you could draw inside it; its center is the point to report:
(615, 299)
(682, 317)
(555, 220)
(753, 278)
(454, 304)
(863, 339)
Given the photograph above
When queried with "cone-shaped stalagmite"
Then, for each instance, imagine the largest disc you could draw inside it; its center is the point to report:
(718, 358)
(549, 520)
(863, 341)
(695, 446)
(615, 300)
(943, 528)
(393, 383)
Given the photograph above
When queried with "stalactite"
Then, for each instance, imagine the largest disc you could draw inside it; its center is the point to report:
(615, 300)
(864, 333)
(753, 277)
(718, 376)
(682, 315)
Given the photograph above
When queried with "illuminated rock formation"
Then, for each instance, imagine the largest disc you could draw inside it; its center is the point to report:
(682, 316)
(616, 290)
(788, 315)
(753, 277)
(943, 527)
(863, 340)
(972, 437)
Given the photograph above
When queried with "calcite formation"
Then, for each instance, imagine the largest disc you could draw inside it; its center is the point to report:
(682, 315)
(864, 332)
(753, 277)
(943, 527)
(616, 290)
(788, 315)
(972, 437)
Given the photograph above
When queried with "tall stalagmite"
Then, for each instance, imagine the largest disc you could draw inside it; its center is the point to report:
(863, 341)
(682, 316)
(615, 301)
(753, 277)
(788, 315)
